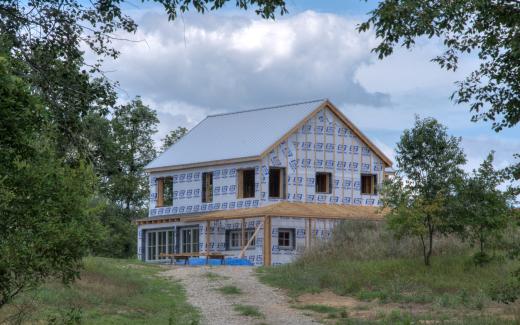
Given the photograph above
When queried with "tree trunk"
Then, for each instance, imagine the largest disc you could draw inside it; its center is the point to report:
(430, 247)
(426, 259)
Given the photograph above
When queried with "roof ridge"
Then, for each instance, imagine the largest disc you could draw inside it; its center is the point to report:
(269, 107)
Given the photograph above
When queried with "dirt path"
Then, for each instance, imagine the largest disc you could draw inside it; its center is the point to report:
(217, 308)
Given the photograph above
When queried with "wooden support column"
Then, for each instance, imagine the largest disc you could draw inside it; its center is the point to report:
(243, 241)
(208, 229)
(267, 241)
(308, 232)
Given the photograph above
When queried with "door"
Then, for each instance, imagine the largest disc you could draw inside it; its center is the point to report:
(189, 240)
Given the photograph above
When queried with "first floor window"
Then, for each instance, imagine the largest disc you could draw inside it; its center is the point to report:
(286, 238)
(189, 240)
(159, 242)
(234, 239)
(369, 184)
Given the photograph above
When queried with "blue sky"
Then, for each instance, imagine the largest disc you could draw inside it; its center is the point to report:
(231, 60)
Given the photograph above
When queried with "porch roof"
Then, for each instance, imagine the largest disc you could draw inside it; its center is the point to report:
(280, 209)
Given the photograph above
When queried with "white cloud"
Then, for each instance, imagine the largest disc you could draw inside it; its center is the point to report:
(223, 62)
(202, 65)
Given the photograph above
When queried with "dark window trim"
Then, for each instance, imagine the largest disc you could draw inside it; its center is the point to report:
(239, 230)
(292, 231)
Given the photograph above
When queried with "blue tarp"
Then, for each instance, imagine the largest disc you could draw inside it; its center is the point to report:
(233, 261)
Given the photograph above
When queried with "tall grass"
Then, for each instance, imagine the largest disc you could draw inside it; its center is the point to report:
(364, 260)
(370, 240)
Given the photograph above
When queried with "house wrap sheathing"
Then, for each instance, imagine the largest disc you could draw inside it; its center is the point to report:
(317, 156)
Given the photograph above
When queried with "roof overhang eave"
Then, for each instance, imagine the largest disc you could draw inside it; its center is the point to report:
(202, 164)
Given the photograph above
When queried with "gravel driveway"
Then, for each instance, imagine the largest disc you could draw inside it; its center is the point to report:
(202, 284)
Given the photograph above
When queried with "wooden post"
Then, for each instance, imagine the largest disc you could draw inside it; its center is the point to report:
(207, 236)
(308, 232)
(267, 241)
(243, 240)
(250, 240)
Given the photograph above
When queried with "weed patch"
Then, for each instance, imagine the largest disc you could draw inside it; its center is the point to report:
(230, 290)
(248, 310)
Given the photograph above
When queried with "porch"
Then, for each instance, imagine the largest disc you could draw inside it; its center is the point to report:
(201, 234)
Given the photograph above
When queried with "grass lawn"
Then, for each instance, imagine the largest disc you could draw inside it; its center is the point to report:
(110, 291)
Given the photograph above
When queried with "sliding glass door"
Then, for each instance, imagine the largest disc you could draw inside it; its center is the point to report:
(157, 242)
(189, 239)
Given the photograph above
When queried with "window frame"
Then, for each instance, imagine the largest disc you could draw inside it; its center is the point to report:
(373, 184)
(249, 232)
(159, 241)
(160, 190)
(207, 193)
(328, 182)
(241, 183)
(282, 185)
(292, 238)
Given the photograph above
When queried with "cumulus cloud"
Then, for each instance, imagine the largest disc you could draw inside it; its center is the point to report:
(228, 62)
(202, 65)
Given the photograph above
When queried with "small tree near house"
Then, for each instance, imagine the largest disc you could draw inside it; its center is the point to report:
(428, 168)
(482, 210)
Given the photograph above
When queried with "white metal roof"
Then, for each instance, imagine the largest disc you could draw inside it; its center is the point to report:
(234, 135)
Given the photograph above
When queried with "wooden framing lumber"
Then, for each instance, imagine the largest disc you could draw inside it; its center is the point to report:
(267, 241)
(208, 229)
(250, 240)
(282, 209)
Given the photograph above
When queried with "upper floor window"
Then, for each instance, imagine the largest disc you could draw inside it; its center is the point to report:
(277, 185)
(164, 191)
(369, 184)
(323, 182)
(246, 183)
(207, 187)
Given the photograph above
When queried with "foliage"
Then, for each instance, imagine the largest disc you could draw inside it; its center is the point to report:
(109, 291)
(487, 28)
(483, 211)
(429, 165)
(125, 147)
(172, 137)
(47, 221)
(132, 126)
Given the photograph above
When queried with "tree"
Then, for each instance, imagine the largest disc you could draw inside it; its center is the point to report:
(172, 137)
(488, 28)
(47, 221)
(482, 209)
(126, 148)
(133, 126)
(428, 167)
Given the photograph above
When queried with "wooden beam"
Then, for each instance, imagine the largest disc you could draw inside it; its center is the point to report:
(308, 232)
(207, 235)
(267, 241)
(242, 252)
(243, 240)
